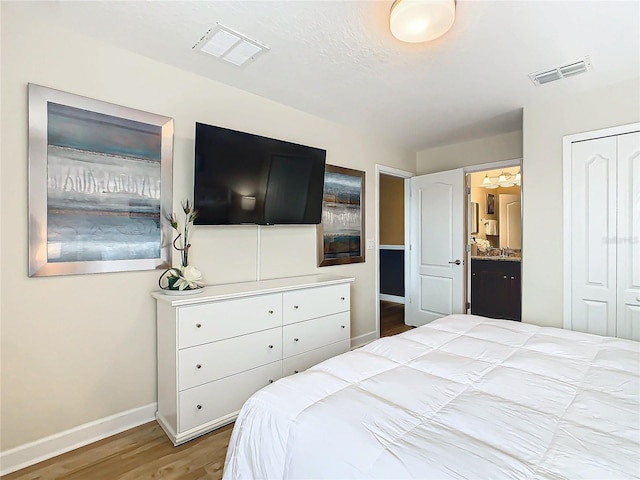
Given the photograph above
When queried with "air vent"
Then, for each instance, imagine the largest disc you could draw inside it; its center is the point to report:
(563, 71)
(226, 44)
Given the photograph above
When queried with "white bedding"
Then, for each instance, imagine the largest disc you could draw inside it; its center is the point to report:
(463, 397)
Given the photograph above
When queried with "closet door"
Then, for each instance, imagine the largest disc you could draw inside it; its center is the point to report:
(629, 236)
(593, 244)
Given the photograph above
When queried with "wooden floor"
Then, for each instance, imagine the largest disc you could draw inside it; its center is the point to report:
(392, 319)
(145, 452)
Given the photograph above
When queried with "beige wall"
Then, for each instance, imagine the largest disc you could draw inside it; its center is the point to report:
(79, 348)
(391, 210)
(485, 150)
(544, 126)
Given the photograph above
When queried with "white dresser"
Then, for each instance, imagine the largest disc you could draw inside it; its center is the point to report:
(217, 348)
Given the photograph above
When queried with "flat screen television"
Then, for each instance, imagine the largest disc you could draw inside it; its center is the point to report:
(241, 178)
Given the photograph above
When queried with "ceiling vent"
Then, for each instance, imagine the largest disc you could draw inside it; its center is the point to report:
(231, 46)
(563, 71)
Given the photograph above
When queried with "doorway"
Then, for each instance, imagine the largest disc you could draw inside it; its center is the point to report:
(495, 239)
(391, 239)
(465, 218)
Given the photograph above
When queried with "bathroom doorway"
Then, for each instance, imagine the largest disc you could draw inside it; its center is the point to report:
(494, 287)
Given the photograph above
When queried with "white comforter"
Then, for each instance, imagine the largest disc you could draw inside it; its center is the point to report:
(463, 397)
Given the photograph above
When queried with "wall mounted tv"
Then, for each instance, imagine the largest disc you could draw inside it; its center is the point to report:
(242, 178)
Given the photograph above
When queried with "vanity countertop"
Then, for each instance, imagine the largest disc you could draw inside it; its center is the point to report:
(496, 258)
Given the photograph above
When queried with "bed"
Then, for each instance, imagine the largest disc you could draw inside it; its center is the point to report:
(462, 397)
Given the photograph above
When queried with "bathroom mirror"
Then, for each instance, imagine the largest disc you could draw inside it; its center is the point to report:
(474, 218)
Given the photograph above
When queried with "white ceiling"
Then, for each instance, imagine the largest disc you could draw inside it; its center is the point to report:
(337, 59)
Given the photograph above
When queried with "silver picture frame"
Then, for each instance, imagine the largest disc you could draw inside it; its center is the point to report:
(100, 185)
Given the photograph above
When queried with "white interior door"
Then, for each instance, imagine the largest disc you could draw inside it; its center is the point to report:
(510, 221)
(436, 279)
(593, 226)
(628, 236)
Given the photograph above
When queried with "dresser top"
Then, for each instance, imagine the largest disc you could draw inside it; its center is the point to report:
(245, 289)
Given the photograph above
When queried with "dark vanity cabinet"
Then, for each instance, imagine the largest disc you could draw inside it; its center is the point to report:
(496, 289)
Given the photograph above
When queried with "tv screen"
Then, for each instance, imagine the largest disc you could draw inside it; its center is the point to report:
(242, 178)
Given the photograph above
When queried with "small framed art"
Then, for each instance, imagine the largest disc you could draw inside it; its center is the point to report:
(341, 233)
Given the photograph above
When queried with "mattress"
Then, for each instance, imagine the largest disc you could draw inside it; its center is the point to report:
(462, 397)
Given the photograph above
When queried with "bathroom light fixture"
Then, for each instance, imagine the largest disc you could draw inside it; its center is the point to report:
(487, 183)
(503, 180)
(416, 21)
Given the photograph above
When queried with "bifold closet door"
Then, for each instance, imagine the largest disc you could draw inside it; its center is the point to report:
(593, 244)
(628, 236)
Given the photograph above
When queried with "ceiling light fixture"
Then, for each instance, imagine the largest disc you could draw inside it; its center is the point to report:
(416, 21)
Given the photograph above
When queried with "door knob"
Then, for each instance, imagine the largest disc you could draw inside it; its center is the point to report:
(457, 262)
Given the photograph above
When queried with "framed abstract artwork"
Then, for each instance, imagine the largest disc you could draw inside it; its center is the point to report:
(491, 204)
(100, 179)
(341, 233)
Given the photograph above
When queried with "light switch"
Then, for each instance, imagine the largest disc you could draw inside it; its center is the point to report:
(371, 244)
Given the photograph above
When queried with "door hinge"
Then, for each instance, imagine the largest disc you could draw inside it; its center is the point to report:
(467, 190)
(468, 305)
(467, 248)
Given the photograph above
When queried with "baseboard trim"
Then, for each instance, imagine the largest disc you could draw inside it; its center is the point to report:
(391, 298)
(361, 340)
(59, 443)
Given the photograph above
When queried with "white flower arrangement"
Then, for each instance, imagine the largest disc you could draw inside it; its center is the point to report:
(482, 244)
(185, 277)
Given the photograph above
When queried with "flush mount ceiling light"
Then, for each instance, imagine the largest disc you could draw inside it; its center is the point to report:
(231, 46)
(416, 21)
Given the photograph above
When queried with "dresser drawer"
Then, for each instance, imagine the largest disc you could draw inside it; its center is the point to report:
(212, 361)
(224, 397)
(299, 363)
(209, 322)
(303, 336)
(315, 302)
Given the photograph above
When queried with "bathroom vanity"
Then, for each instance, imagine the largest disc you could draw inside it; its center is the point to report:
(496, 287)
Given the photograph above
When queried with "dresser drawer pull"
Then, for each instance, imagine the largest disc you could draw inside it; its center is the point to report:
(504, 276)
(513, 278)
(295, 339)
(341, 298)
(296, 371)
(295, 307)
(198, 366)
(270, 346)
(270, 381)
(342, 326)
(270, 312)
(199, 407)
(198, 325)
